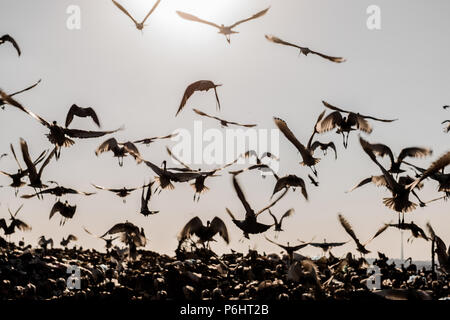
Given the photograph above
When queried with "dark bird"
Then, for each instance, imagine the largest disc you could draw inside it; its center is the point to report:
(201, 85)
(8, 38)
(120, 150)
(122, 193)
(305, 152)
(440, 250)
(348, 228)
(21, 173)
(223, 123)
(289, 250)
(324, 147)
(435, 167)
(354, 121)
(290, 181)
(304, 50)
(65, 242)
(227, 31)
(278, 223)
(148, 141)
(445, 107)
(2, 102)
(82, 113)
(14, 224)
(57, 135)
(382, 150)
(205, 234)
(259, 159)
(326, 246)
(108, 241)
(58, 192)
(146, 199)
(64, 209)
(33, 174)
(129, 233)
(44, 243)
(250, 225)
(443, 179)
(416, 231)
(399, 201)
(139, 25)
(313, 181)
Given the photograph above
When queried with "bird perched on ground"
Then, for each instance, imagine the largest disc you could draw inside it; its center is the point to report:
(108, 241)
(305, 152)
(278, 224)
(324, 147)
(58, 192)
(223, 123)
(65, 242)
(34, 176)
(120, 150)
(148, 141)
(227, 31)
(303, 50)
(82, 113)
(122, 193)
(290, 181)
(2, 102)
(205, 234)
(354, 121)
(64, 209)
(44, 243)
(201, 85)
(14, 224)
(416, 231)
(326, 246)
(7, 38)
(139, 25)
(289, 250)
(250, 225)
(21, 173)
(348, 228)
(145, 200)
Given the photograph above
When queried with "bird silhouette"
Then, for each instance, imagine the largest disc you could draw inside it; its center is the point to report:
(442, 178)
(223, 123)
(313, 181)
(205, 234)
(250, 225)
(70, 238)
(289, 249)
(120, 150)
(148, 141)
(348, 228)
(44, 243)
(227, 31)
(354, 121)
(64, 209)
(326, 246)
(122, 192)
(278, 223)
(416, 231)
(108, 241)
(7, 38)
(82, 113)
(290, 181)
(440, 249)
(130, 235)
(303, 50)
(14, 224)
(2, 102)
(324, 147)
(434, 168)
(146, 199)
(139, 25)
(57, 191)
(201, 85)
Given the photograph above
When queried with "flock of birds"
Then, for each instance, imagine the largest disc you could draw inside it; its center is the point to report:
(395, 179)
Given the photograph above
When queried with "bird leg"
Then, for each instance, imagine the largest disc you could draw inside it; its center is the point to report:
(314, 171)
(422, 204)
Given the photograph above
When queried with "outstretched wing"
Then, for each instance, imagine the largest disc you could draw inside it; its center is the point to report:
(377, 180)
(190, 228)
(10, 39)
(151, 11)
(218, 226)
(277, 40)
(81, 112)
(287, 214)
(27, 159)
(108, 145)
(414, 152)
(255, 16)
(272, 203)
(177, 160)
(26, 89)
(282, 125)
(82, 134)
(348, 228)
(333, 59)
(150, 140)
(191, 17)
(241, 196)
(118, 5)
(436, 166)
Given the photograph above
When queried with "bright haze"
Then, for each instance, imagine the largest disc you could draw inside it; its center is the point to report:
(137, 79)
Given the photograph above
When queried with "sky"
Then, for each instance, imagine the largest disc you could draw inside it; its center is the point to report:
(137, 79)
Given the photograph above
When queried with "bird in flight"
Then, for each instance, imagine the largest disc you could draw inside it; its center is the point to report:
(326, 246)
(82, 113)
(145, 211)
(278, 223)
(205, 234)
(290, 181)
(148, 141)
(432, 170)
(416, 231)
(227, 31)
(15, 223)
(442, 178)
(289, 249)
(324, 147)
(303, 50)
(57, 191)
(122, 193)
(201, 85)
(223, 123)
(8, 38)
(120, 150)
(345, 124)
(139, 25)
(2, 102)
(70, 238)
(64, 209)
(108, 241)
(348, 228)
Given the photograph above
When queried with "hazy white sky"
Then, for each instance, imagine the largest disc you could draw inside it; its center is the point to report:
(137, 80)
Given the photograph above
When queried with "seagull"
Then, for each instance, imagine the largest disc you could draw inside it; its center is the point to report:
(148, 141)
(303, 50)
(278, 224)
(2, 102)
(82, 113)
(122, 193)
(8, 38)
(64, 209)
(43, 243)
(108, 241)
(130, 235)
(416, 231)
(57, 134)
(250, 225)
(223, 123)
(227, 31)
(146, 199)
(65, 242)
(324, 147)
(326, 246)
(354, 121)
(139, 25)
(435, 167)
(58, 192)
(15, 223)
(289, 250)
(348, 228)
(206, 233)
(201, 85)
(120, 150)
(442, 178)
(290, 181)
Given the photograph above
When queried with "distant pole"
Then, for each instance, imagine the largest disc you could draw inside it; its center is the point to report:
(401, 246)
(433, 265)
